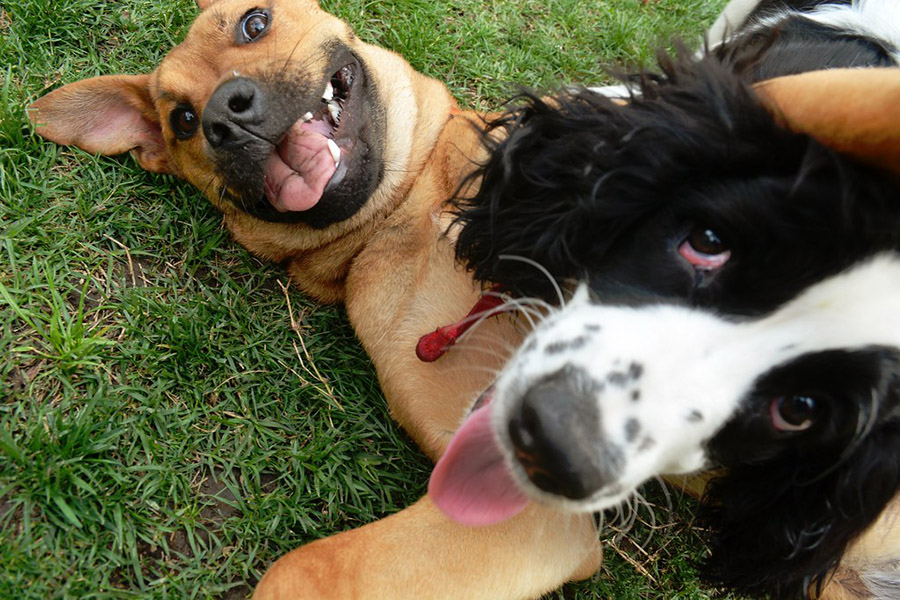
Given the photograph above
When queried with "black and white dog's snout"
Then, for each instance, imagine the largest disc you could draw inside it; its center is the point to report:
(555, 434)
(586, 411)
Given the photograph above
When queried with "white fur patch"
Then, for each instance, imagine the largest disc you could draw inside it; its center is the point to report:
(622, 91)
(730, 20)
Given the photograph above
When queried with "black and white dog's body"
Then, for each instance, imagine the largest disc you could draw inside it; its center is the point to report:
(738, 306)
(813, 34)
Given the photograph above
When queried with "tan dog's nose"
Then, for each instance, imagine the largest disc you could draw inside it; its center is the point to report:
(234, 114)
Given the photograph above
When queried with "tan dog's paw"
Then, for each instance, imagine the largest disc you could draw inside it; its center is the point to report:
(311, 571)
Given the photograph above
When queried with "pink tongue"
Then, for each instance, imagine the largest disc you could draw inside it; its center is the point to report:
(471, 483)
(298, 171)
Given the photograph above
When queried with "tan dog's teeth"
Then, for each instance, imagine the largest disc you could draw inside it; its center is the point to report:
(307, 117)
(329, 93)
(335, 152)
(334, 109)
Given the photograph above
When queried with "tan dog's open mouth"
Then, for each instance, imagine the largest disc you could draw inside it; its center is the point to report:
(313, 155)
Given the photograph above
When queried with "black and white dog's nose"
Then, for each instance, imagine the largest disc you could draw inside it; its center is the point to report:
(555, 432)
(233, 113)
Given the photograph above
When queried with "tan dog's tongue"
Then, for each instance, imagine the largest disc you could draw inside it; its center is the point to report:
(298, 171)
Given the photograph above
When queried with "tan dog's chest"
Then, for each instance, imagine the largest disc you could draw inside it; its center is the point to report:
(405, 283)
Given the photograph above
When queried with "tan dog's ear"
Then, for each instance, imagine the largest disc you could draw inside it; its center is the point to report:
(204, 4)
(853, 111)
(106, 115)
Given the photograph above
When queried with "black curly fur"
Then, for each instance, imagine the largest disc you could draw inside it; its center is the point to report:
(599, 192)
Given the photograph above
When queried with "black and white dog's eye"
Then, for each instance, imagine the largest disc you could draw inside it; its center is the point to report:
(253, 25)
(707, 241)
(794, 413)
(184, 121)
(704, 249)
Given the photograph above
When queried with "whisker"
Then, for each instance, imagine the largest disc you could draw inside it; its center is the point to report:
(205, 189)
(511, 304)
(601, 524)
(665, 490)
(540, 268)
(479, 350)
(492, 373)
(478, 333)
(651, 522)
(469, 342)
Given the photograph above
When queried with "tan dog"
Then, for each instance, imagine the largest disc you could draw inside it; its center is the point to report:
(374, 241)
(336, 158)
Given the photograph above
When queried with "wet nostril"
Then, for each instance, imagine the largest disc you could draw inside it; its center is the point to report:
(217, 134)
(240, 102)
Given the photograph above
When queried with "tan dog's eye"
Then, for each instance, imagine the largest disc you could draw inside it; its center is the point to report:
(253, 25)
(184, 121)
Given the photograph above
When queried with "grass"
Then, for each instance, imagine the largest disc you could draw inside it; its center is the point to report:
(172, 417)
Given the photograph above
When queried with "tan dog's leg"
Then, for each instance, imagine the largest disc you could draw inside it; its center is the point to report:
(419, 554)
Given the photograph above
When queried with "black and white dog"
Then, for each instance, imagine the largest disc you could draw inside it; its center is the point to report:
(738, 306)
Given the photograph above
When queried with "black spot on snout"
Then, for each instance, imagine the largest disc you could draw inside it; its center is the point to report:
(632, 429)
(561, 346)
(617, 378)
(695, 416)
(621, 378)
(635, 370)
(555, 348)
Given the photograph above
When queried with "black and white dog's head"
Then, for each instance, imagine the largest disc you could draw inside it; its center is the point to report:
(738, 307)
(802, 406)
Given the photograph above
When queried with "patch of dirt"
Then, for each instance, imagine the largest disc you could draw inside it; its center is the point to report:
(91, 299)
(10, 512)
(240, 591)
(130, 272)
(20, 376)
(222, 508)
(219, 504)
